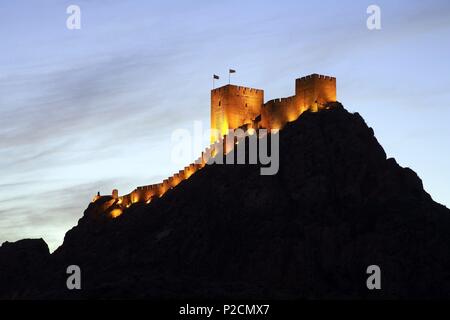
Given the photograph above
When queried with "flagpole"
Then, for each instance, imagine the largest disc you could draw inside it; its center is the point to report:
(230, 71)
(215, 77)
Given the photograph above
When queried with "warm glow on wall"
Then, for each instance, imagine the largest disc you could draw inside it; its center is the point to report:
(292, 115)
(224, 127)
(116, 212)
(188, 174)
(162, 190)
(134, 197)
(175, 181)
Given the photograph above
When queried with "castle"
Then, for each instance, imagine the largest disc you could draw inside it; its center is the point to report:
(234, 107)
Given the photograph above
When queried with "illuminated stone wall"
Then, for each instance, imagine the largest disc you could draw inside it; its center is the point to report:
(311, 93)
(146, 194)
(276, 113)
(233, 106)
(314, 88)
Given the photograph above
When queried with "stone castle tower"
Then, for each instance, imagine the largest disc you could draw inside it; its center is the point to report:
(235, 107)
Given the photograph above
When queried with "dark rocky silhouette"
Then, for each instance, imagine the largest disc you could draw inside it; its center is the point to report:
(22, 267)
(336, 206)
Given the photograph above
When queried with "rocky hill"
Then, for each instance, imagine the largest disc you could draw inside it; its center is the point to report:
(336, 206)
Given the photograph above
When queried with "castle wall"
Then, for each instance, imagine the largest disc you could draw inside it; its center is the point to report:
(311, 93)
(148, 193)
(233, 106)
(276, 113)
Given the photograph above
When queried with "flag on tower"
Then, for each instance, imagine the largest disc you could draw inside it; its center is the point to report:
(215, 77)
(230, 71)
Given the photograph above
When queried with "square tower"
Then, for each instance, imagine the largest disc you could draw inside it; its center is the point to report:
(315, 88)
(232, 107)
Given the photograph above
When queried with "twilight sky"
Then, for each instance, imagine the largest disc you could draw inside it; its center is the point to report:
(90, 110)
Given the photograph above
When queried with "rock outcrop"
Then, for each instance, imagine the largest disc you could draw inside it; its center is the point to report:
(22, 267)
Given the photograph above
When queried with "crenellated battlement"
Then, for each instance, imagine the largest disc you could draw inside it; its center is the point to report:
(280, 101)
(237, 89)
(316, 76)
(145, 194)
